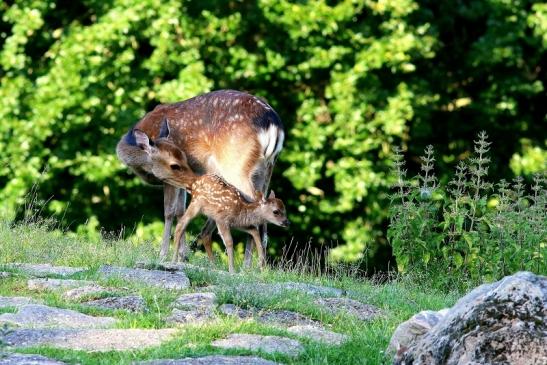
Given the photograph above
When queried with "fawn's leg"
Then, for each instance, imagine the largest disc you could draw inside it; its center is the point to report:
(169, 205)
(206, 237)
(182, 223)
(226, 235)
(258, 243)
(181, 207)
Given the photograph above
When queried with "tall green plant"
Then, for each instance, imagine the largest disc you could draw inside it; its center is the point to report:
(463, 228)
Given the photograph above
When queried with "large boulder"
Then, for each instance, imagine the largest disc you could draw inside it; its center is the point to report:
(409, 332)
(500, 323)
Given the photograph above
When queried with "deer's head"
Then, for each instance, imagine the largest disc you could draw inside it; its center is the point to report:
(168, 162)
(272, 209)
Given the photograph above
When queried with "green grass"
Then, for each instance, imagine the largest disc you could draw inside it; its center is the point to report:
(398, 300)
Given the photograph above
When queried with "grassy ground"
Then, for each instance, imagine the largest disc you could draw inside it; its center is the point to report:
(398, 299)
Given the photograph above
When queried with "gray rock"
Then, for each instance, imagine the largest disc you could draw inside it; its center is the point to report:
(131, 303)
(157, 278)
(282, 318)
(89, 339)
(410, 331)
(42, 270)
(193, 307)
(318, 334)
(195, 301)
(500, 323)
(42, 316)
(268, 344)
(4, 274)
(212, 360)
(234, 310)
(25, 359)
(182, 316)
(56, 284)
(92, 291)
(15, 301)
(163, 266)
(349, 306)
(263, 288)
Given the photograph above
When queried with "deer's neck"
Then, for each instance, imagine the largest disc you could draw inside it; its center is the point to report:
(249, 215)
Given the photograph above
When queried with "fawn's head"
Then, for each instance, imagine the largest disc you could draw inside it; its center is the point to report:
(169, 163)
(272, 209)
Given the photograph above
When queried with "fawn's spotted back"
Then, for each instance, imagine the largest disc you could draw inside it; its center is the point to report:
(217, 192)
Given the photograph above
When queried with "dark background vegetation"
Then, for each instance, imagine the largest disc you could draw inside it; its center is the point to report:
(350, 79)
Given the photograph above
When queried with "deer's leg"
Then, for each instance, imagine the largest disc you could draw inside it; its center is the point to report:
(258, 243)
(264, 227)
(181, 207)
(206, 237)
(258, 183)
(182, 223)
(169, 206)
(226, 235)
(248, 253)
(263, 187)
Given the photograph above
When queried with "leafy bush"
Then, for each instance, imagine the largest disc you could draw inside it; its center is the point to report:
(467, 227)
(349, 79)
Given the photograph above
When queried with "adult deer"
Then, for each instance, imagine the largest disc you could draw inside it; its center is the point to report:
(228, 133)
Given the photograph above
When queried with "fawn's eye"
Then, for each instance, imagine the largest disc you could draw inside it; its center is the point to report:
(175, 167)
(277, 212)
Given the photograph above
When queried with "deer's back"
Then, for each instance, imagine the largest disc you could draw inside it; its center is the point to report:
(210, 113)
(225, 132)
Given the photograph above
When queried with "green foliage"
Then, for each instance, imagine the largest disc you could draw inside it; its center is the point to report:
(464, 228)
(349, 78)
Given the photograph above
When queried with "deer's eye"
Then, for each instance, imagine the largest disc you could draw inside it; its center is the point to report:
(175, 167)
(277, 212)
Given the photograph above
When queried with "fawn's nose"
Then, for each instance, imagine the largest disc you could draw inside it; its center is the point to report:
(285, 223)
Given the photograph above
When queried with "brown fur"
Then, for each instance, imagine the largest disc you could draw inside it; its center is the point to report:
(223, 203)
(219, 133)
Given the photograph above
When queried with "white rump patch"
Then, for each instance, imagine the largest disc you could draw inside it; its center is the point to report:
(279, 144)
(271, 141)
(263, 104)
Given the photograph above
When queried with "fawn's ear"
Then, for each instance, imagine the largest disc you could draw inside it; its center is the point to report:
(272, 195)
(164, 128)
(142, 140)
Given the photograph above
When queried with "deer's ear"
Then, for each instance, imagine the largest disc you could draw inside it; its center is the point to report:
(142, 140)
(259, 196)
(164, 128)
(272, 195)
